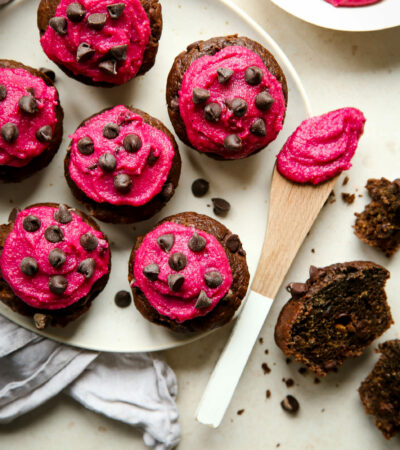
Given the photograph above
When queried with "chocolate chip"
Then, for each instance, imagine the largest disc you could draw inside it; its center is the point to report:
(233, 243)
(264, 101)
(166, 242)
(110, 130)
(200, 95)
(29, 266)
(44, 134)
(58, 284)
(63, 214)
(152, 271)
(109, 67)
(203, 301)
(107, 162)
(175, 281)
(87, 267)
(152, 158)
(122, 299)
(228, 296)
(233, 143)
(118, 52)
(116, 10)
(167, 191)
(89, 242)
(132, 143)
(86, 146)
(221, 206)
(97, 21)
(258, 127)
(213, 279)
(41, 320)
(177, 261)
(49, 73)
(54, 234)
(9, 132)
(290, 404)
(200, 187)
(197, 243)
(253, 75)
(28, 104)
(31, 223)
(123, 183)
(296, 289)
(57, 258)
(212, 112)
(3, 92)
(84, 52)
(13, 214)
(238, 106)
(75, 12)
(59, 25)
(224, 74)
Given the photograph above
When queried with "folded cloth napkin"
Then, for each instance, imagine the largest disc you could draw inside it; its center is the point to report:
(133, 388)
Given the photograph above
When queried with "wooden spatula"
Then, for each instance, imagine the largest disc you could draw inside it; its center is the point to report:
(292, 211)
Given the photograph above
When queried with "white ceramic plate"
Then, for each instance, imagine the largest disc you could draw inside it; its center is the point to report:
(382, 15)
(244, 183)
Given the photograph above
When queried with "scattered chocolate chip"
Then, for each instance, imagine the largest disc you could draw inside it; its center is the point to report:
(107, 162)
(86, 146)
(97, 21)
(221, 206)
(29, 266)
(110, 130)
(123, 183)
(253, 75)
(132, 143)
(175, 281)
(348, 198)
(116, 10)
(118, 52)
(89, 242)
(177, 261)
(13, 214)
(87, 267)
(166, 242)
(296, 289)
(167, 191)
(212, 112)
(200, 187)
(31, 223)
(54, 234)
(44, 134)
(233, 243)
(240, 412)
(290, 404)
(264, 101)
(197, 243)
(228, 296)
(41, 320)
(265, 368)
(28, 104)
(238, 106)
(122, 299)
(213, 279)
(57, 258)
(224, 74)
(59, 25)
(152, 158)
(63, 214)
(75, 12)
(84, 52)
(203, 301)
(58, 284)
(3, 92)
(258, 127)
(233, 143)
(9, 132)
(200, 95)
(268, 393)
(289, 383)
(109, 67)
(152, 271)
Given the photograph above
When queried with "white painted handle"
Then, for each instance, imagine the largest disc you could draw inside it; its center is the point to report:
(227, 372)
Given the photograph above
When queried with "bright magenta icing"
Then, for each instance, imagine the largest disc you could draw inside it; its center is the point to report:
(132, 28)
(22, 150)
(352, 2)
(180, 306)
(147, 180)
(321, 147)
(35, 290)
(209, 137)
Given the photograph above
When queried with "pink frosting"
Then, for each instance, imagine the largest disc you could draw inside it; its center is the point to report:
(26, 146)
(180, 306)
(352, 2)
(147, 179)
(321, 147)
(21, 244)
(208, 136)
(132, 28)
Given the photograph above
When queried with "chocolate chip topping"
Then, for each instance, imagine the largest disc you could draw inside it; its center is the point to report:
(123, 183)
(203, 301)
(177, 261)
(197, 243)
(224, 74)
(233, 143)
(122, 299)
(63, 214)
(118, 52)
(264, 101)
(29, 266)
(167, 191)
(258, 127)
(116, 10)
(212, 112)
(87, 267)
(31, 223)
(58, 284)
(296, 289)
(44, 134)
(152, 271)
(49, 73)
(109, 67)
(238, 106)
(107, 162)
(84, 52)
(213, 279)
(59, 25)
(86, 146)
(110, 130)
(290, 404)
(75, 12)
(221, 206)
(41, 320)
(9, 132)
(313, 272)
(253, 75)
(175, 281)
(57, 258)
(97, 21)
(54, 234)
(28, 104)
(200, 187)
(132, 143)
(166, 242)
(3, 92)
(89, 242)
(200, 95)
(13, 214)
(152, 158)
(228, 296)
(233, 243)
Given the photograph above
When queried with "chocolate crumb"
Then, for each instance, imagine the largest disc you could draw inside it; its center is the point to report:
(240, 412)
(302, 370)
(268, 393)
(348, 198)
(265, 368)
(317, 380)
(289, 383)
(278, 445)
(266, 351)
(313, 250)
(345, 181)
(323, 410)
(261, 340)
(288, 360)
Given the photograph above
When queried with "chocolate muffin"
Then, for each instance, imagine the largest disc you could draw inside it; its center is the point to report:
(380, 391)
(189, 273)
(54, 261)
(31, 121)
(226, 97)
(122, 165)
(103, 43)
(334, 315)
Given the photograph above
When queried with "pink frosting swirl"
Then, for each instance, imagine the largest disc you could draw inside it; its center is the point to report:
(18, 83)
(207, 136)
(321, 147)
(130, 29)
(34, 289)
(352, 2)
(180, 305)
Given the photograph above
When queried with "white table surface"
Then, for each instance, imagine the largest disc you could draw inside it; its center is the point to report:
(337, 69)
